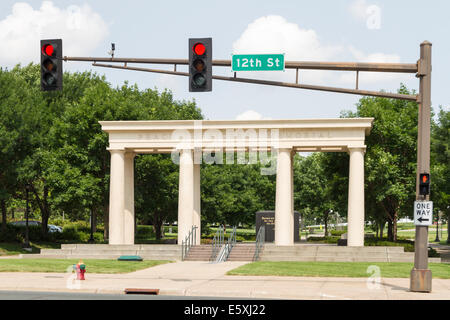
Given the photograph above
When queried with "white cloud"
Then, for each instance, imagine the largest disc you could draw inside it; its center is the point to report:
(80, 27)
(374, 57)
(251, 115)
(373, 77)
(274, 34)
(173, 83)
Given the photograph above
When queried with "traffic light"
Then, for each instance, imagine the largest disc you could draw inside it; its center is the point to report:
(424, 184)
(200, 65)
(51, 65)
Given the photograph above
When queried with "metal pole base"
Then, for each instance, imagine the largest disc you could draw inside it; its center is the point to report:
(420, 280)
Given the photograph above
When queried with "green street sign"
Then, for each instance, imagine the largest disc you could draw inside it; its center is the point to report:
(257, 62)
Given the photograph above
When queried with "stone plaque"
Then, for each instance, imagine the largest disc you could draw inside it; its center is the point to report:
(267, 218)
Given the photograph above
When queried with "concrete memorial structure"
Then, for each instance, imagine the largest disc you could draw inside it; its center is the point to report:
(192, 141)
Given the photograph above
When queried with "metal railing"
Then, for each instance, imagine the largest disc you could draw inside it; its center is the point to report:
(229, 245)
(217, 243)
(188, 242)
(259, 243)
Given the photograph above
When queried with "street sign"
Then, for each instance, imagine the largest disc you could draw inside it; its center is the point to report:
(257, 62)
(423, 213)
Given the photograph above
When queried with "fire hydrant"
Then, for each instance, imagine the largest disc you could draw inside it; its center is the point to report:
(80, 269)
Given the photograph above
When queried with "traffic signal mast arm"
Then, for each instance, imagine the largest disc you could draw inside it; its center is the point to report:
(297, 65)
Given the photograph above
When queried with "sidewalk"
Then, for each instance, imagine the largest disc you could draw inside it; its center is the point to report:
(205, 279)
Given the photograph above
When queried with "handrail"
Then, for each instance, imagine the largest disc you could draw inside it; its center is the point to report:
(188, 242)
(259, 243)
(224, 250)
(217, 243)
(231, 243)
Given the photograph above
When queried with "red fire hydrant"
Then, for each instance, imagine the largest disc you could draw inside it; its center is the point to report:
(80, 269)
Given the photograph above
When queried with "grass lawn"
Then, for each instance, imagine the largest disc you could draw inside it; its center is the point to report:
(61, 265)
(431, 234)
(335, 269)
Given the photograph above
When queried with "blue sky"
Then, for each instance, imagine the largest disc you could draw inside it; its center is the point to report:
(342, 30)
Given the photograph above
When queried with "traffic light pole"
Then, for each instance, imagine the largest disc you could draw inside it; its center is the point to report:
(298, 65)
(420, 280)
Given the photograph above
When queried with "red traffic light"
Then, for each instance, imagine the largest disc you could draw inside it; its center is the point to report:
(424, 178)
(199, 49)
(48, 50)
(51, 64)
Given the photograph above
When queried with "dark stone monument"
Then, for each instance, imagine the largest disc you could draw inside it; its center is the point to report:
(267, 218)
(343, 240)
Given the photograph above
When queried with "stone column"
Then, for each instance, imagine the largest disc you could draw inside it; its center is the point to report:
(116, 197)
(284, 211)
(197, 203)
(185, 194)
(355, 217)
(128, 221)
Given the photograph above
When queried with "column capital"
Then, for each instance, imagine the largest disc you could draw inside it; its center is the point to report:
(130, 154)
(115, 150)
(184, 149)
(356, 149)
(286, 149)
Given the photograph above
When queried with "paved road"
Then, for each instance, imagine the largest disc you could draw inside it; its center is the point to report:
(203, 279)
(43, 295)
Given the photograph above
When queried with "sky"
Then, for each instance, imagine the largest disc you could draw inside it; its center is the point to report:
(320, 30)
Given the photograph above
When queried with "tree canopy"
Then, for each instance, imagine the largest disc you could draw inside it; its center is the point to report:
(52, 142)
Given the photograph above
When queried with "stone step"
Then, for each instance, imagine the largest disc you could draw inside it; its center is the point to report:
(108, 252)
(345, 259)
(204, 258)
(199, 253)
(120, 247)
(195, 259)
(97, 256)
(55, 251)
(200, 250)
(242, 252)
(332, 249)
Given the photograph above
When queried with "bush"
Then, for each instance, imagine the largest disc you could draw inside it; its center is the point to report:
(174, 229)
(145, 232)
(338, 233)
(18, 234)
(330, 240)
(406, 244)
(432, 253)
(12, 234)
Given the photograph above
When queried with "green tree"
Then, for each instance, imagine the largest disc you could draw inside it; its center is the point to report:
(19, 121)
(156, 192)
(440, 165)
(390, 160)
(233, 193)
(52, 141)
(310, 188)
(81, 173)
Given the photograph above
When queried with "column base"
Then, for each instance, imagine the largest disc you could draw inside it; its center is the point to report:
(420, 280)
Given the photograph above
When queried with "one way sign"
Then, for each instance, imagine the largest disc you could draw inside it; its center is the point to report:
(423, 213)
